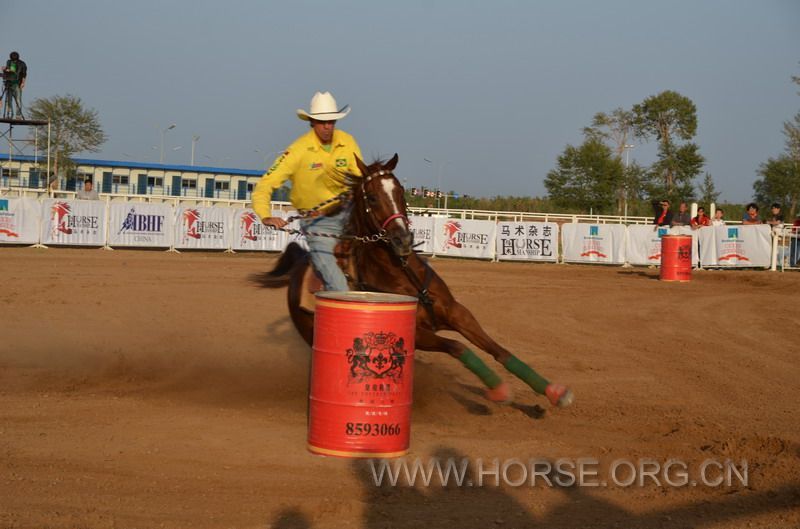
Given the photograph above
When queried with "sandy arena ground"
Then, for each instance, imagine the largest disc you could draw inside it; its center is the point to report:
(146, 389)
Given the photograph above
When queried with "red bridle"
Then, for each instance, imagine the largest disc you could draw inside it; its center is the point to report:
(395, 216)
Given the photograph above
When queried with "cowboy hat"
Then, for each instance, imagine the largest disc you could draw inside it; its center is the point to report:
(323, 108)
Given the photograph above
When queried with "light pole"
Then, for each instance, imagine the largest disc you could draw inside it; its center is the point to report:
(194, 142)
(439, 180)
(627, 147)
(163, 133)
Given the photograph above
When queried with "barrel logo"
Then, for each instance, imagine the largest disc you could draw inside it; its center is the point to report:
(377, 356)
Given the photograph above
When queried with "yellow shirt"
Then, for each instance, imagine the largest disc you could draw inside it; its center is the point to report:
(316, 175)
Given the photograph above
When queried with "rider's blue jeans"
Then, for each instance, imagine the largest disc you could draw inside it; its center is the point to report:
(322, 248)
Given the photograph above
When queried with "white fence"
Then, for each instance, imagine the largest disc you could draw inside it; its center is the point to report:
(168, 225)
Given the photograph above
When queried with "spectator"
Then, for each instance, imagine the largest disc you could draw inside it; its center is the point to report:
(701, 219)
(663, 216)
(751, 214)
(719, 218)
(776, 220)
(87, 193)
(682, 218)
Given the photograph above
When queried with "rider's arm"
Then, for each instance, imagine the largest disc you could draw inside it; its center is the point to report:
(281, 171)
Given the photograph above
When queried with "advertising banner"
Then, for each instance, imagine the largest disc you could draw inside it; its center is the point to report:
(422, 228)
(251, 234)
(743, 246)
(593, 243)
(464, 238)
(19, 220)
(73, 222)
(203, 228)
(527, 241)
(643, 246)
(140, 224)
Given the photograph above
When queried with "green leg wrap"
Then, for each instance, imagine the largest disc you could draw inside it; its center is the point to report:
(526, 374)
(476, 365)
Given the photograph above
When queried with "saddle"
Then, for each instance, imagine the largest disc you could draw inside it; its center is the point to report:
(312, 282)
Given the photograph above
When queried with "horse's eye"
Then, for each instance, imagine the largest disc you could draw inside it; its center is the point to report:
(372, 199)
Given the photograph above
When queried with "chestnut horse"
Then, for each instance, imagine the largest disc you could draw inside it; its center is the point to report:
(381, 254)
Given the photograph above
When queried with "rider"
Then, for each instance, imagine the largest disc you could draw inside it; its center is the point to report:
(317, 163)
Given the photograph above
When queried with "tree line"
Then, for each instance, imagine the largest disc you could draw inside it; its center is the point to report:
(596, 176)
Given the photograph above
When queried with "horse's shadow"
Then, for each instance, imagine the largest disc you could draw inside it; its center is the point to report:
(477, 503)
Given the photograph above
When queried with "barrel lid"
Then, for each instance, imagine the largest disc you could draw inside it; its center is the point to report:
(366, 297)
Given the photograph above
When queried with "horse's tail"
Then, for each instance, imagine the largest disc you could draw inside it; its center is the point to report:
(278, 277)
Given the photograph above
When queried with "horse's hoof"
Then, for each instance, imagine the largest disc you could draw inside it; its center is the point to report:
(559, 395)
(501, 394)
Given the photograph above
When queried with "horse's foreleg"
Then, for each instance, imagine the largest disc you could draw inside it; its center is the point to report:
(461, 320)
(497, 390)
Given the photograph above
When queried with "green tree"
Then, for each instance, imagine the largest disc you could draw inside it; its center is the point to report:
(670, 117)
(587, 176)
(74, 129)
(617, 129)
(779, 182)
(708, 191)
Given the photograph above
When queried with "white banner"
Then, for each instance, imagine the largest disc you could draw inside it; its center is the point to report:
(422, 228)
(593, 243)
(527, 241)
(464, 238)
(742, 246)
(643, 246)
(141, 224)
(250, 234)
(19, 220)
(203, 228)
(73, 222)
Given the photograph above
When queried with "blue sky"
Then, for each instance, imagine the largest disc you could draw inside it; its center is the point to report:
(491, 92)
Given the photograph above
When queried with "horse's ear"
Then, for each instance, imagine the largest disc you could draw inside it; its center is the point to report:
(391, 164)
(361, 166)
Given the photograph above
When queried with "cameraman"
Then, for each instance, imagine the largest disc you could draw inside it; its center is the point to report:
(14, 74)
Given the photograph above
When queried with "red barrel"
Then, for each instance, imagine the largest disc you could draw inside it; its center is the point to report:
(362, 372)
(676, 258)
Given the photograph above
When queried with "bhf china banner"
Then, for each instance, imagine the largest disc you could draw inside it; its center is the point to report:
(736, 246)
(464, 238)
(141, 224)
(73, 222)
(527, 241)
(204, 228)
(643, 246)
(593, 243)
(249, 233)
(19, 220)
(422, 228)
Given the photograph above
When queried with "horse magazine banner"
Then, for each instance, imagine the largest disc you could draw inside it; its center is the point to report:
(593, 243)
(204, 228)
(249, 233)
(643, 245)
(19, 220)
(74, 222)
(464, 238)
(141, 224)
(527, 241)
(422, 228)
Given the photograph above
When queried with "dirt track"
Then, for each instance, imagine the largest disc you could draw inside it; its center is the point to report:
(145, 389)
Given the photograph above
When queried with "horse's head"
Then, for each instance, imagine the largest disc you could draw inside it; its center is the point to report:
(380, 206)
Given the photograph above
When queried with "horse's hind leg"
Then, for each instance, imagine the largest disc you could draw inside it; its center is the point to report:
(497, 390)
(460, 319)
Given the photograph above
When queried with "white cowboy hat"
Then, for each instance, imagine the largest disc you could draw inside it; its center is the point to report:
(323, 108)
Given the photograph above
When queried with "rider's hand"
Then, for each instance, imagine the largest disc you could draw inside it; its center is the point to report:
(275, 222)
